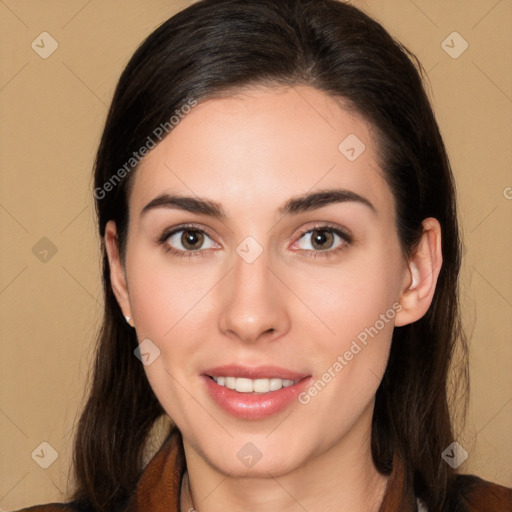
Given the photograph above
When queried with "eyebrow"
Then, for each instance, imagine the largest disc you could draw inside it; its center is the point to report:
(294, 206)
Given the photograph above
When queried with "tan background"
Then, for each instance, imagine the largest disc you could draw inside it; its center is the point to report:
(52, 115)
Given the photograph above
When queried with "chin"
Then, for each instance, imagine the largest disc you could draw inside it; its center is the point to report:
(254, 455)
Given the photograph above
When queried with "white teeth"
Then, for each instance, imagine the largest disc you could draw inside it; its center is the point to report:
(261, 385)
(275, 384)
(230, 382)
(244, 385)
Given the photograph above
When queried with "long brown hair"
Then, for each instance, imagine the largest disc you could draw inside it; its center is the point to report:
(217, 46)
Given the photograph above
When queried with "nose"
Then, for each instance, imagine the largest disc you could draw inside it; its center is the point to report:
(253, 304)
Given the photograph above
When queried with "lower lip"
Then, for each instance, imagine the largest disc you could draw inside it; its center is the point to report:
(251, 406)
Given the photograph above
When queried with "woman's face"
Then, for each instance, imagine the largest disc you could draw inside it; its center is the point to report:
(256, 280)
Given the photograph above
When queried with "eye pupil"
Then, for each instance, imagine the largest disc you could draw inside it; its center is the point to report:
(190, 238)
(320, 236)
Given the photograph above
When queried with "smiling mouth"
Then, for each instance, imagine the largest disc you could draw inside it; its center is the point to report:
(245, 385)
(254, 392)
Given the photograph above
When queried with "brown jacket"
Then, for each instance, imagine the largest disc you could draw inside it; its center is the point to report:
(158, 489)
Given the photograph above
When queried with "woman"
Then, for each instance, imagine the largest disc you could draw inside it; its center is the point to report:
(281, 257)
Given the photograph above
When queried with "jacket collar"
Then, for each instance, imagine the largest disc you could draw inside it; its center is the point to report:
(158, 489)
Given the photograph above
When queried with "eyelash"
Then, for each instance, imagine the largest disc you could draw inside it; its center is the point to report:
(346, 237)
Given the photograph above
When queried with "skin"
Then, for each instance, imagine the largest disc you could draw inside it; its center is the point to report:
(251, 152)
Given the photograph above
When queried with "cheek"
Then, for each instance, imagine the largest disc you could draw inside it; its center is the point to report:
(168, 309)
(355, 307)
(345, 301)
(349, 364)
(163, 295)
(171, 305)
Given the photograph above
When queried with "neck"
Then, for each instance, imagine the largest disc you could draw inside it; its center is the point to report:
(341, 479)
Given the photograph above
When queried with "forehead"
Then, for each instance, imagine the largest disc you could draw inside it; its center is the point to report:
(253, 150)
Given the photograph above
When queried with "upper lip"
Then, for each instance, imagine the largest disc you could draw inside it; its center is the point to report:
(254, 372)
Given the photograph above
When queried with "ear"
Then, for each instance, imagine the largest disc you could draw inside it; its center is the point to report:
(421, 277)
(117, 273)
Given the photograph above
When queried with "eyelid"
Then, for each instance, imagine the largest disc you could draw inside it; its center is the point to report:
(182, 227)
(345, 233)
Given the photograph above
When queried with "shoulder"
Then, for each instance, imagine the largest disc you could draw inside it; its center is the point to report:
(51, 507)
(161, 479)
(56, 507)
(478, 495)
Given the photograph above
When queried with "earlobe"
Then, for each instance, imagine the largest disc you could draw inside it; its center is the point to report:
(420, 278)
(117, 273)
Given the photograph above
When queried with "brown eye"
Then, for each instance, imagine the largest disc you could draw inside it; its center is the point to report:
(192, 239)
(322, 239)
(187, 240)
